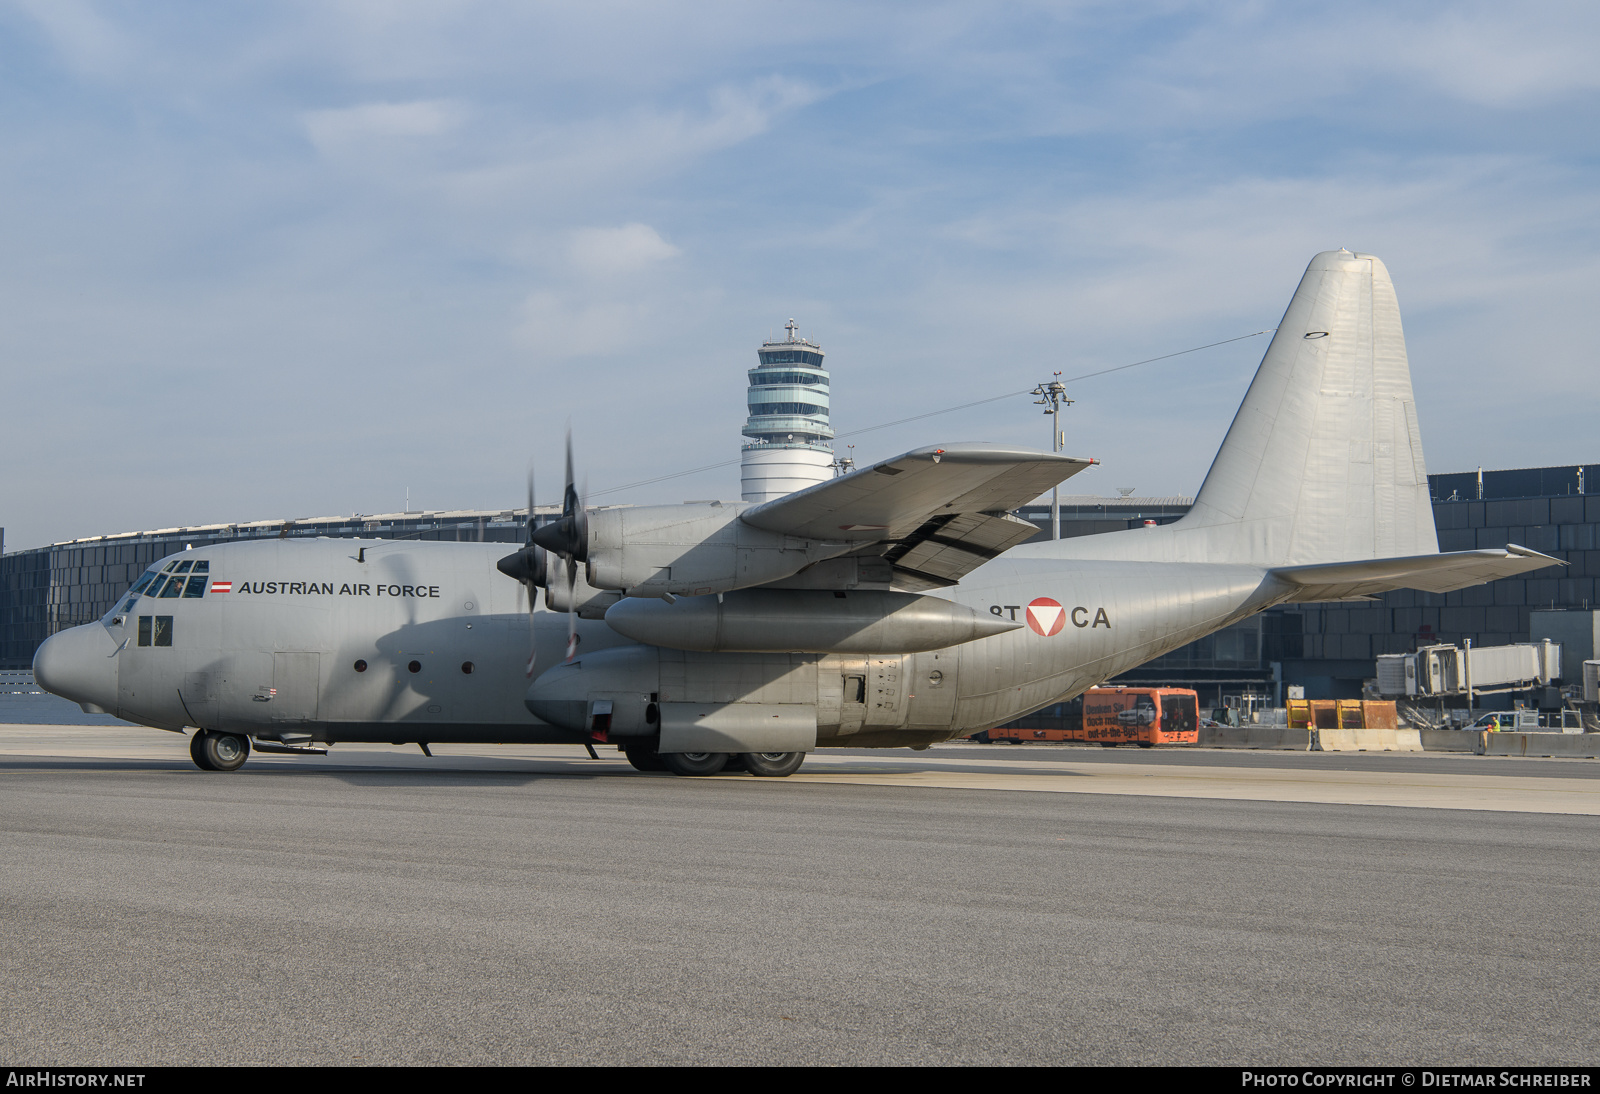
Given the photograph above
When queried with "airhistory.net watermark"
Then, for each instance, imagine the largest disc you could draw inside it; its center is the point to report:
(52, 1078)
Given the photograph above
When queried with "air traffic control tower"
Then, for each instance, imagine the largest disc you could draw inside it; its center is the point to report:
(791, 442)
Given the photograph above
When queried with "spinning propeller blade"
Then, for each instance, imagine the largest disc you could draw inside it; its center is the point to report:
(531, 568)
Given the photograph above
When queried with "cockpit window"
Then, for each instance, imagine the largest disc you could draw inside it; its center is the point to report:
(144, 581)
(196, 586)
(173, 587)
(169, 567)
(183, 567)
(202, 566)
(158, 635)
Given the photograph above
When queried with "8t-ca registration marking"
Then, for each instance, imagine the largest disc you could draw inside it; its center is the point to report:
(1046, 617)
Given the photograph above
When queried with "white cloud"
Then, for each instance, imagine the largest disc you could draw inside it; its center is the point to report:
(623, 150)
(88, 41)
(1358, 64)
(556, 325)
(608, 252)
(337, 130)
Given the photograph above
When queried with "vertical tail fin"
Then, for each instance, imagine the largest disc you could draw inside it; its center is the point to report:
(1323, 461)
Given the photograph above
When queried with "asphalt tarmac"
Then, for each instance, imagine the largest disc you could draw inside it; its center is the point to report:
(499, 905)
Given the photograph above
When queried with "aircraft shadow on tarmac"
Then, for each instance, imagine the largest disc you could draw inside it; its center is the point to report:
(346, 773)
(501, 773)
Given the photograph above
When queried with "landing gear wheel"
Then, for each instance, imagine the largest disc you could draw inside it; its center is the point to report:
(773, 764)
(197, 750)
(220, 751)
(694, 763)
(644, 759)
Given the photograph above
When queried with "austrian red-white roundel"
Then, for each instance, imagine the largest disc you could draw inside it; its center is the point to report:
(1046, 617)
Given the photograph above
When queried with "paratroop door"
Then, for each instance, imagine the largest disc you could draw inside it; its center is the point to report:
(296, 677)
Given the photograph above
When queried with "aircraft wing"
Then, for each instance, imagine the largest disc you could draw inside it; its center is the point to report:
(1439, 573)
(934, 513)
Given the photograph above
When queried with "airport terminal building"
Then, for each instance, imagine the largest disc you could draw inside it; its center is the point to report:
(1326, 648)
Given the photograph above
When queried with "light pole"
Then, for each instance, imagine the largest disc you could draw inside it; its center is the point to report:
(1053, 395)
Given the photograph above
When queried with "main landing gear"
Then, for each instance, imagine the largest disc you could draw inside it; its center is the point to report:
(763, 764)
(212, 751)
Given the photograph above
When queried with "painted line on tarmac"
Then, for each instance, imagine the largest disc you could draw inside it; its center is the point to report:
(1496, 793)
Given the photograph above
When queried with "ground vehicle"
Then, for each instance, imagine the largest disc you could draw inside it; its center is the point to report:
(1507, 720)
(1111, 716)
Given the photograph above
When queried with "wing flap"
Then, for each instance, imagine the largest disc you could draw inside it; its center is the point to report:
(945, 549)
(1437, 573)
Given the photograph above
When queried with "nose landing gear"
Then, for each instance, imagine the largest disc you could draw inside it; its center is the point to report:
(213, 751)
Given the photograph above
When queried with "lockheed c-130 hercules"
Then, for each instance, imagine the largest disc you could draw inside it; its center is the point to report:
(888, 607)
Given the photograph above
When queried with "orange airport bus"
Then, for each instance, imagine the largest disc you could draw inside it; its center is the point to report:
(1111, 716)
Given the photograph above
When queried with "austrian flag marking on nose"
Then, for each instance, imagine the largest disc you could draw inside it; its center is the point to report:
(1046, 617)
(222, 586)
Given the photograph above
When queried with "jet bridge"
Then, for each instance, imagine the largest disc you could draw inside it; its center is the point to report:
(1439, 671)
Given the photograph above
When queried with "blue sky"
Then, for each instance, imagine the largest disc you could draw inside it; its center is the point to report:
(288, 259)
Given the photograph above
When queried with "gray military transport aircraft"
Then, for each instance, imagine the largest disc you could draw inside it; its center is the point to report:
(890, 607)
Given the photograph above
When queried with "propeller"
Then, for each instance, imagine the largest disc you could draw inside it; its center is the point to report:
(530, 567)
(568, 538)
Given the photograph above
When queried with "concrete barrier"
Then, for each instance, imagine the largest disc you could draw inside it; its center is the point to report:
(1578, 745)
(1276, 737)
(1451, 740)
(1367, 740)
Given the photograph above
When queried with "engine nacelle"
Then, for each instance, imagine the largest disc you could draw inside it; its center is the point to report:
(590, 603)
(804, 620)
(693, 550)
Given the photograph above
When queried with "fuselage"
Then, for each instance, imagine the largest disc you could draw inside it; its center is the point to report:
(345, 640)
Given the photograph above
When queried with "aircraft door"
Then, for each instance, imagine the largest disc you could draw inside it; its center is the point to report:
(297, 681)
(932, 685)
(852, 677)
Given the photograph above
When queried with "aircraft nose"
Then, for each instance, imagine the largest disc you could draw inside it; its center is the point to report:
(79, 664)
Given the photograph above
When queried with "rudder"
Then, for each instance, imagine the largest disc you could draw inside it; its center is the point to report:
(1323, 461)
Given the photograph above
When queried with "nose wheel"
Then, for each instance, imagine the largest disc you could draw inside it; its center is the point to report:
(218, 751)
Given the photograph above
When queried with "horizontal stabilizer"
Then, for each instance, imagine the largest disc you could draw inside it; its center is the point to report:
(1439, 573)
